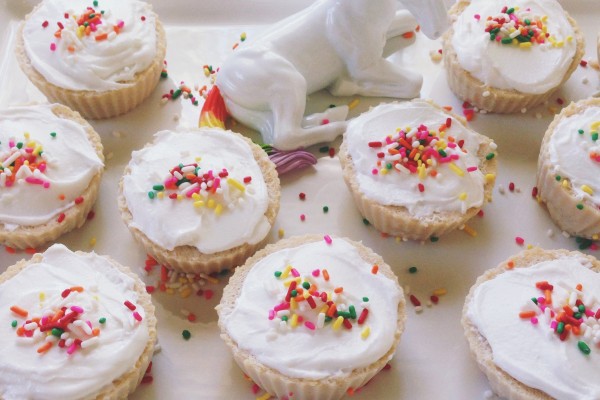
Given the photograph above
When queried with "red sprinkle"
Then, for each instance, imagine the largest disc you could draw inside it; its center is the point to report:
(61, 218)
(150, 289)
(375, 144)
(44, 24)
(511, 186)
(331, 152)
(302, 217)
(302, 196)
(434, 299)
(480, 213)
(421, 187)
(147, 379)
(91, 215)
(130, 305)
(519, 240)
(365, 313)
(583, 63)
(534, 191)
(10, 250)
(347, 324)
(415, 302)
(65, 293)
(247, 179)
(79, 200)
(208, 294)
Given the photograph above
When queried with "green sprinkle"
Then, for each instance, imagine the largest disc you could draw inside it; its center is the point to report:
(325, 209)
(365, 299)
(489, 156)
(388, 165)
(584, 243)
(176, 94)
(158, 187)
(558, 178)
(86, 24)
(535, 300)
(352, 312)
(585, 349)
(57, 332)
(151, 195)
(95, 3)
(53, 134)
(442, 153)
(507, 40)
(492, 37)
(344, 314)
(164, 74)
(595, 136)
(327, 318)
(581, 308)
(579, 206)
(366, 222)
(580, 131)
(277, 274)
(284, 318)
(306, 285)
(560, 328)
(19, 145)
(510, 10)
(527, 21)
(324, 149)
(186, 334)
(102, 320)
(332, 106)
(294, 293)
(412, 270)
(14, 323)
(434, 239)
(577, 315)
(92, 15)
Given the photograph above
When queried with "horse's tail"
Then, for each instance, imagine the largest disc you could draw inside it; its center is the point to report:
(214, 112)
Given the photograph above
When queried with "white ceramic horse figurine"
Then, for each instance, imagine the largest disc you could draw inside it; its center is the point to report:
(334, 44)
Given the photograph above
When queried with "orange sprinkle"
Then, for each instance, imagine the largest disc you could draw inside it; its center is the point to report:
(20, 331)
(413, 153)
(447, 108)
(510, 264)
(548, 296)
(568, 311)
(325, 275)
(45, 347)
(101, 36)
(19, 311)
(116, 29)
(527, 314)
(350, 392)
(433, 173)
(331, 311)
(235, 46)
(418, 28)
(375, 269)
(338, 289)
(58, 34)
(96, 331)
(71, 48)
(568, 328)
(408, 35)
(579, 287)
(78, 289)
(61, 196)
(59, 314)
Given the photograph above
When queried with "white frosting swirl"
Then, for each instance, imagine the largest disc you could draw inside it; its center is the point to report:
(56, 374)
(71, 161)
(92, 65)
(535, 70)
(570, 151)
(315, 354)
(170, 223)
(443, 192)
(534, 354)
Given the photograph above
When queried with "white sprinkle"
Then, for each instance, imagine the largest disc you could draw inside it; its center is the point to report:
(487, 92)
(550, 233)
(501, 189)
(565, 234)
(419, 309)
(30, 326)
(90, 342)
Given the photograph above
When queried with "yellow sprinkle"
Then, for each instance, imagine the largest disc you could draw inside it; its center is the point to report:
(529, 246)
(306, 294)
(196, 196)
(456, 169)
(595, 126)
(265, 396)
(243, 36)
(186, 292)
(383, 171)
(211, 203)
(544, 19)
(42, 296)
(490, 178)
(26, 135)
(569, 39)
(286, 272)
(206, 72)
(440, 292)
(293, 304)
(281, 233)
(92, 242)
(169, 291)
(80, 31)
(294, 319)
(365, 332)
(595, 237)
(324, 309)
(422, 172)
(398, 239)
(560, 44)
(208, 278)
(199, 204)
(469, 231)
(525, 45)
(160, 195)
(565, 183)
(353, 104)
(198, 159)
(587, 189)
(218, 209)
(179, 197)
(338, 322)
(236, 184)
(463, 196)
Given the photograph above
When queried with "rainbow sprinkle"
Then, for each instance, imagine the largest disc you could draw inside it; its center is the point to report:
(513, 26)
(204, 189)
(304, 306)
(23, 160)
(571, 317)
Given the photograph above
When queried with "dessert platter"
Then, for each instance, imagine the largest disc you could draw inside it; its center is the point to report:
(422, 331)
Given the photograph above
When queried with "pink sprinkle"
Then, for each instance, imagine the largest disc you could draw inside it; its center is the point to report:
(52, 46)
(60, 25)
(309, 325)
(46, 185)
(137, 316)
(282, 306)
(374, 171)
(77, 309)
(477, 17)
(534, 320)
(271, 315)
(553, 324)
(325, 121)
(471, 169)
(519, 240)
(121, 24)
(72, 349)
(295, 273)
(327, 239)
(302, 217)
(316, 273)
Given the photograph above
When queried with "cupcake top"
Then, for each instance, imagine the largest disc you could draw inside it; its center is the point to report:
(46, 162)
(416, 156)
(201, 187)
(574, 152)
(541, 323)
(90, 45)
(314, 311)
(72, 322)
(491, 38)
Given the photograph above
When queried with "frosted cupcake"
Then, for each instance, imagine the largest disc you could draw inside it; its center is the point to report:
(506, 58)
(101, 58)
(568, 179)
(200, 200)
(312, 317)
(415, 171)
(80, 325)
(51, 164)
(532, 326)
